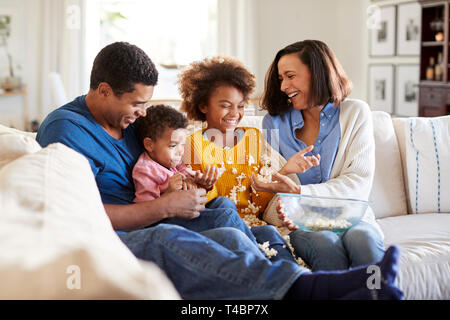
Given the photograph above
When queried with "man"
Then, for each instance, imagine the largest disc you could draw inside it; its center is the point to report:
(220, 263)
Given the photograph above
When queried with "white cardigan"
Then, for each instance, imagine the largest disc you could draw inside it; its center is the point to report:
(354, 166)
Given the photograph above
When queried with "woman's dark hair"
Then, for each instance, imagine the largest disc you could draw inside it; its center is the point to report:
(201, 78)
(122, 65)
(157, 119)
(329, 82)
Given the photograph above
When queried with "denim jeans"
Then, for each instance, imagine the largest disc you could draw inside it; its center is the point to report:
(222, 212)
(326, 250)
(229, 267)
(219, 212)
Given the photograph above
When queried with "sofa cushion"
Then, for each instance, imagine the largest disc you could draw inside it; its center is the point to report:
(424, 241)
(427, 152)
(53, 223)
(15, 143)
(387, 197)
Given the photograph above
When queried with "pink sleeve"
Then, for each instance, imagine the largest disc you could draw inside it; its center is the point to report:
(146, 182)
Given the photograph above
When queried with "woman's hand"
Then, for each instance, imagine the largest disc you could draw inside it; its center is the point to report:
(280, 183)
(300, 163)
(207, 179)
(282, 215)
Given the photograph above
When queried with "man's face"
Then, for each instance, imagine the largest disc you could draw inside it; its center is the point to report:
(129, 106)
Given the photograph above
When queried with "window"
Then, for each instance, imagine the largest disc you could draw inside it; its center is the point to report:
(173, 33)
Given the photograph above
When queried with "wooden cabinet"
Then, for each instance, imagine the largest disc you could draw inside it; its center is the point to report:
(434, 93)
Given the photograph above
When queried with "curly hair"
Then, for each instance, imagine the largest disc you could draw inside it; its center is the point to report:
(158, 118)
(201, 78)
(329, 82)
(122, 65)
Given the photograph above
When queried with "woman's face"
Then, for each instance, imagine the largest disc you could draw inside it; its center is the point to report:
(225, 108)
(295, 79)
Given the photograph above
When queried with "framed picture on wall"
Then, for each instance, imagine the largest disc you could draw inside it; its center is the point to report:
(409, 22)
(382, 32)
(381, 87)
(407, 90)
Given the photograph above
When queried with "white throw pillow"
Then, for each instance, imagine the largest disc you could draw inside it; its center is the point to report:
(427, 163)
(387, 197)
(15, 143)
(53, 228)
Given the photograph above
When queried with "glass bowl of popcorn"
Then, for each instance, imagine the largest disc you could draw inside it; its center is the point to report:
(311, 213)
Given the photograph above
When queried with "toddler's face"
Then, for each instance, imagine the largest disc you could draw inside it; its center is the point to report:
(168, 149)
(225, 108)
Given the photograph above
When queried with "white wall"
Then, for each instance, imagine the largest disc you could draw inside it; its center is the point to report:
(340, 24)
(25, 54)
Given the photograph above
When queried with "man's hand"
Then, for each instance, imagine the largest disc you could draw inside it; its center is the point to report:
(185, 204)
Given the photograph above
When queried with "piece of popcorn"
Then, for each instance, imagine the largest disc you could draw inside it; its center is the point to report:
(251, 160)
(269, 252)
(234, 170)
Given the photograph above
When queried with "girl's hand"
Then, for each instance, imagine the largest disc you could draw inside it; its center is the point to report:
(283, 217)
(300, 163)
(280, 183)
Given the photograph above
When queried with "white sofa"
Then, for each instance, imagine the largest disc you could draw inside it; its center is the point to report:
(53, 227)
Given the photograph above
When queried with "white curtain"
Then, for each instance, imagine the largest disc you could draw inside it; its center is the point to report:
(63, 50)
(237, 34)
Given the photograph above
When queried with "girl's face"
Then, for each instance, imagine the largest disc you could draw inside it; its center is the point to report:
(295, 79)
(225, 108)
(168, 149)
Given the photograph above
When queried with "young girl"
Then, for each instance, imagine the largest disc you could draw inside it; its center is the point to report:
(160, 169)
(216, 90)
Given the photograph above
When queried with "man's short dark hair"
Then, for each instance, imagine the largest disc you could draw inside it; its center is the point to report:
(122, 65)
(158, 118)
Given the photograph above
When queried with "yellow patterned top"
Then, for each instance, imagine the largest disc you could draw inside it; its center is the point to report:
(237, 165)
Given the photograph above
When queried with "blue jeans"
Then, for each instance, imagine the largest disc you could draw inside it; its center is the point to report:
(222, 212)
(229, 267)
(326, 250)
(219, 212)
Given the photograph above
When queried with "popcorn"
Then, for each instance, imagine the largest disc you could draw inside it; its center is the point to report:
(251, 160)
(318, 222)
(234, 170)
(265, 248)
(252, 221)
(252, 208)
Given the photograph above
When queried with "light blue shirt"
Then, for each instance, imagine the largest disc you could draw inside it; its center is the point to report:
(280, 133)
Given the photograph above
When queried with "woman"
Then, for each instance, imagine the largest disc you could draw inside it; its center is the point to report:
(305, 96)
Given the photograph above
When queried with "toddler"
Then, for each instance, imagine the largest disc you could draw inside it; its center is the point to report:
(160, 169)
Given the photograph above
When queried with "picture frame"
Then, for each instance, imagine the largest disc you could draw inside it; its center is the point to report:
(409, 24)
(381, 87)
(407, 90)
(383, 33)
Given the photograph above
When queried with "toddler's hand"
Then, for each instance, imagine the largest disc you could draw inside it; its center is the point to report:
(176, 182)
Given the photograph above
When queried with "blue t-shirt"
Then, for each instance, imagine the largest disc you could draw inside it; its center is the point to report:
(280, 133)
(111, 159)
